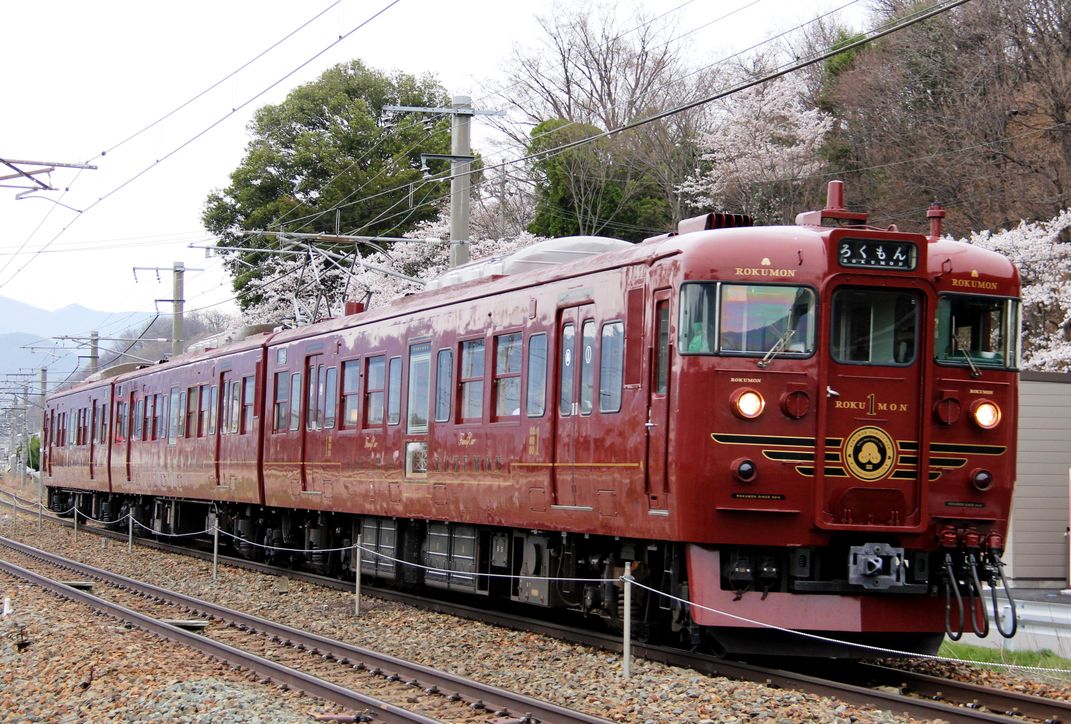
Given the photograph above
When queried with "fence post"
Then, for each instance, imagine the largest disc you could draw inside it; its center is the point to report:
(130, 530)
(215, 547)
(626, 664)
(14, 513)
(76, 519)
(357, 578)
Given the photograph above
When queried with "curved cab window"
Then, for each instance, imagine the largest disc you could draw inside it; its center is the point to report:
(979, 329)
(748, 319)
(874, 327)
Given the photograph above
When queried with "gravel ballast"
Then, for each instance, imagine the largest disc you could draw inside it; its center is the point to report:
(567, 674)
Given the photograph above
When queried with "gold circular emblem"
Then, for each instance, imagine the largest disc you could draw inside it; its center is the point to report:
(869, 453)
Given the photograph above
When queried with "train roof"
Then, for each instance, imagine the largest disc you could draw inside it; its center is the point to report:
(560, 259)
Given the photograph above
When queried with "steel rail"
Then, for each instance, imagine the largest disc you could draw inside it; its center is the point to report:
(314, 686)
(1012, 703)
(501, 702)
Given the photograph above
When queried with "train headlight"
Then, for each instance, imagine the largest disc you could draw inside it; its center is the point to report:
(748, 404)
(985, 414)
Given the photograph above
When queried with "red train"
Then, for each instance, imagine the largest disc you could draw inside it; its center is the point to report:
(811, 427)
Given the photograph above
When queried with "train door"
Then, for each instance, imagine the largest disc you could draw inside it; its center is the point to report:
(574, 439)
(660, 356)
(94, 420)
(317, 436)
(873, 418)
(232, 457)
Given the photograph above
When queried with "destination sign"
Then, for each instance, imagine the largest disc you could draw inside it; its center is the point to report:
(878, 254)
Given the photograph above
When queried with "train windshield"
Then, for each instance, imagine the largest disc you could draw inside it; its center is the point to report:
(977, 331)
(748, 319)
(872, 327)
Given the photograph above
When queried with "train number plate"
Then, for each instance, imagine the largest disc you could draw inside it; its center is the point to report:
(877, 254)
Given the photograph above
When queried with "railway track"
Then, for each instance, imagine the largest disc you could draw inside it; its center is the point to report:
(896, 690)
(314, 662)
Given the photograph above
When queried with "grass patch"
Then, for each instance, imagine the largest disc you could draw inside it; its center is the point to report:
(981, 655)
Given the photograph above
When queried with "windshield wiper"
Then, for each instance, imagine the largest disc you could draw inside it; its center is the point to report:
(777, 347)
(975, 372)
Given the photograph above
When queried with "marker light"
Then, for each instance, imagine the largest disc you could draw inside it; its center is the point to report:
(986, 414)
(748, 404)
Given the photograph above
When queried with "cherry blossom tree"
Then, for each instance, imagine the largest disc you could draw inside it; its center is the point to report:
(1042, 251)
(765, 143)
(301, 288)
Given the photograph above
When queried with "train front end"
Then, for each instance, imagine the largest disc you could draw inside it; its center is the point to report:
(852, 392)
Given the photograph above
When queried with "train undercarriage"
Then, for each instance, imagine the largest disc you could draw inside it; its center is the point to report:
(559, 571)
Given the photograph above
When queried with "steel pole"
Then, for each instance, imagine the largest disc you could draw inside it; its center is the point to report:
(626, 663)
(357, 578)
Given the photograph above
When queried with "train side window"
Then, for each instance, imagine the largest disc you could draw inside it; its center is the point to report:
(698, 318)
(611, 366)
(373, 395)
(139, 420)
(394, 391)
(508, 375)
(236, 406)
(444, 384)
(172, 422)
(180, 414)
(536, 394)
(587, 367)
(159, 416)
(120, 421)
(661, 371)
(227, 413)
(282, 401)
(419, 388)
(213, 391)
(565, 399)
(472, 366)
(351, 393)
(330, 398)
(203, 412)
(313, 408)
(248, 387)
(321, 395)
(295, 400)
(192, 406)
(103, 437)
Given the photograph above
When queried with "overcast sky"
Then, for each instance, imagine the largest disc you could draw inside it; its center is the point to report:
(80, 77)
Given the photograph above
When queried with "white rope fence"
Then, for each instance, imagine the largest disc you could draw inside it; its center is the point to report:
(626, 581)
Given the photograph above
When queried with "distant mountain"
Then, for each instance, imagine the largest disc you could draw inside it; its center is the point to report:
(72, 319)
(22, 324)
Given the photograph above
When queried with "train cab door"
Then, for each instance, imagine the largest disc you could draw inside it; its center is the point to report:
(574, 438)
(657, 424)
(873, 417)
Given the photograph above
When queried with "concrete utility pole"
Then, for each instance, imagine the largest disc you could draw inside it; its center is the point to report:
(44, 394)
(461, 181)
(461, 112)
(94, 356)
(178, 333)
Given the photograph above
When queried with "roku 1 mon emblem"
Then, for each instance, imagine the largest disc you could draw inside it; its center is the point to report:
(870, 405)
(869, 453)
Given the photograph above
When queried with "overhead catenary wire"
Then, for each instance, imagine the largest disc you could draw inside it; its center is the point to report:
(200, 134)
(867, 37)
